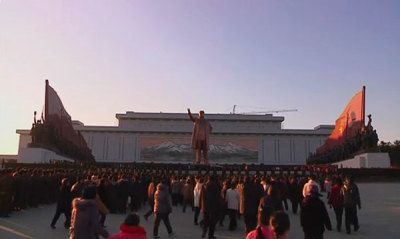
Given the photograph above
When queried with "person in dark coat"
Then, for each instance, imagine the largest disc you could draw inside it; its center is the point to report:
(134, 193)
(273, 198)
(19, 192)
(111, 191)
(314, 217)
(283, 191)
(351, 199)
(123, 193)
(77, 188)
(295, 193)
(7, 192)
(63, 204)
(34, 189)
(210, 204)
(104, 197)
(249, 207)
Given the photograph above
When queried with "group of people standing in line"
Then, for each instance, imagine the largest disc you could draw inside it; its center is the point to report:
(86, 198)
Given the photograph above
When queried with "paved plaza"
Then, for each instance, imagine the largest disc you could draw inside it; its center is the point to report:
(379, 218)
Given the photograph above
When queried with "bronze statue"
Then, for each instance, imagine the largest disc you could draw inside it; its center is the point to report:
(200, 137)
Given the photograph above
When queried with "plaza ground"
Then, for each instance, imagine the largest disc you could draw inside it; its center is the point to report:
(378, 218)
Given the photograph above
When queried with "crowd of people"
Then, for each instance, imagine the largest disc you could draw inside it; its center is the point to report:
(85, 197)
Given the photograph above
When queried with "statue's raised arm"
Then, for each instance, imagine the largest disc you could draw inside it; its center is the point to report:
(190, 115)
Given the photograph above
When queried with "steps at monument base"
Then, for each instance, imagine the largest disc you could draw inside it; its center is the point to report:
(39, 155)
(366, 160)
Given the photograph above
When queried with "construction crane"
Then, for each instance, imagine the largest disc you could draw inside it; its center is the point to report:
(263, 112)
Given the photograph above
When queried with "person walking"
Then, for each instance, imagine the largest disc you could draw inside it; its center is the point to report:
(197, 192)
(63, 204)
(351, 199)
(295, 193)
(273, 198)
(85, 222)
(210, 199)
(249, 202)
(283, 191)
(162, 209)
(175, 190)
(232, 200)
(336, 201)
(314, 217)
(224, 208)
(187, 193)
(328, 186)
(150, 195)
(77, 188)
(307, 187)
(123, 193)
(104, 197)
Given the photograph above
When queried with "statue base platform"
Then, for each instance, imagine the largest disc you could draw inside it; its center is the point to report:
(39, 155)
(366, 160)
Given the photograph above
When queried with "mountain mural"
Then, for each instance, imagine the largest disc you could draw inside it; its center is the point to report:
(170, 151)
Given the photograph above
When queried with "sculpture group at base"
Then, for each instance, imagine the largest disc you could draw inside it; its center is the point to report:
(366, 140)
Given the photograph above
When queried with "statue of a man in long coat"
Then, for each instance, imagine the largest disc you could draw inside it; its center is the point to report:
(200, 137)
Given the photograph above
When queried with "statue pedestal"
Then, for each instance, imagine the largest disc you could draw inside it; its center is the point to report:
(366, 160)
(39, 155)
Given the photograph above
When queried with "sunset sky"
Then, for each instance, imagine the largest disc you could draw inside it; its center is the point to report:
(108, 57)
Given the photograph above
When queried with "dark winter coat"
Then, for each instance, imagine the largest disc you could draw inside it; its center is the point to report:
(295, 191)
(251, 198)
(272, 201)
(77, 190)
(351, 195)
(314, 216)
(65, 199)
(210, 198)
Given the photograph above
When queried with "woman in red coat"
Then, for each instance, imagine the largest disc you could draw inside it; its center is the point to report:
(130, 229)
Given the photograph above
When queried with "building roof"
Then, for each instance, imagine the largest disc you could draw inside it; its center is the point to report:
(184, 116)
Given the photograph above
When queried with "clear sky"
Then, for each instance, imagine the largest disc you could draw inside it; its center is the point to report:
(108, 57)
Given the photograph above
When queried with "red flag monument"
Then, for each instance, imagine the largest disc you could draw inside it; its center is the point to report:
(56, 132)
(349, 123)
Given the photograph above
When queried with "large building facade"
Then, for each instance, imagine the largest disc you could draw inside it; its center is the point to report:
(166, 137)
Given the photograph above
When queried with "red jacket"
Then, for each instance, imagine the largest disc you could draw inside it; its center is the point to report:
(130, 232)
(335, 198)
